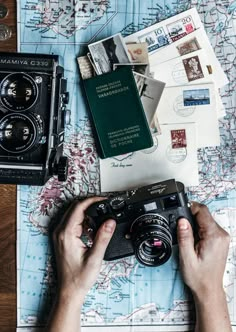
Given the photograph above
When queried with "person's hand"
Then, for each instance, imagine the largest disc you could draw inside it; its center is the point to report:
(203, 264)
(77, 265)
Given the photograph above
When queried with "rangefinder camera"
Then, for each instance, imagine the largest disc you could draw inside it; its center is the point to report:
(146, 221)
(33, 114)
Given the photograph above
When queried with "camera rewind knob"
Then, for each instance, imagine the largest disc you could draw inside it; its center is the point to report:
(102, 209)
(117, 203)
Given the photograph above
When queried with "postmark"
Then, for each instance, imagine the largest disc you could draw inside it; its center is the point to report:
(178, 73)
(178, 138)
(196, 97)
(181, 109)
(176, 156)
(155, 39)
(181, 28)
(153, 148)
(193, 68)
(189, 46)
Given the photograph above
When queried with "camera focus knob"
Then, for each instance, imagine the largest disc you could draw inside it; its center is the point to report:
(117, 203)
(102, 209)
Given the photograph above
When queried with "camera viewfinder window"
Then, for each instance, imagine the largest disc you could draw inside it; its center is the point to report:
(171, 202)
(150, 206)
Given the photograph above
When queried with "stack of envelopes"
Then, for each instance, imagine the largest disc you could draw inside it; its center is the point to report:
(187, 112)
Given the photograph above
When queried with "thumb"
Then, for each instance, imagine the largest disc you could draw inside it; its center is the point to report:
(185, 240)
(102, 240)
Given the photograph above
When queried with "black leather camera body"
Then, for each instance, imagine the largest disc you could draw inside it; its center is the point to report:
(33, 98)
(146, 221)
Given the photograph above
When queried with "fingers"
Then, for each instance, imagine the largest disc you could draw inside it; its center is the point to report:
(185, 240)
(102, 240)
(75, 214)
(202, 216)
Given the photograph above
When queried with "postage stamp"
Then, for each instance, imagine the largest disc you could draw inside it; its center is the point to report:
(188, 47)
(196, 97)
(181, 28)
(155, 39)
(193, 68)
(178, 138)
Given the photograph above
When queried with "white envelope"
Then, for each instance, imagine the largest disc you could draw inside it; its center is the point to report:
(161, 162)
(192, 103)
(163, 33)
(199, 39)
(188, 69)
(160, 38)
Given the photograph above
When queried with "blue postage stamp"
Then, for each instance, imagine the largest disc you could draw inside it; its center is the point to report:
(155, 39)
(196, 97)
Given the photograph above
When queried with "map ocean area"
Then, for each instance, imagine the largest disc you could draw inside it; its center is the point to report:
(64, 29)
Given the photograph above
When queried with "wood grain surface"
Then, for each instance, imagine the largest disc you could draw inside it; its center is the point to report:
(8, 213)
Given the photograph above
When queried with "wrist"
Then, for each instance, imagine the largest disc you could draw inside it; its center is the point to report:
(209, 296)
(67, 296)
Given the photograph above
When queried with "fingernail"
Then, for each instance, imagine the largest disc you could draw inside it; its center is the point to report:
(109, 225)
(183, 224)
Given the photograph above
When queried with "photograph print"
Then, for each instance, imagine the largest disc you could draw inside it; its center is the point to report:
(107, 52)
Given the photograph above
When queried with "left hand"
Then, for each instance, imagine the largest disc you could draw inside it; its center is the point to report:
(78, 265)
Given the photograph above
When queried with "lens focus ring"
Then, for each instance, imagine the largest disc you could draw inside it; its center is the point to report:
(152, 239)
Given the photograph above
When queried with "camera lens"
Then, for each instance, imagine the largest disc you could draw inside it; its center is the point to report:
(18, 92)
(152, 239)
(18, 132)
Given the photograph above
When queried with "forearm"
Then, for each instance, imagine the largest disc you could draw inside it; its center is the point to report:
(65, 315)
(212, 313)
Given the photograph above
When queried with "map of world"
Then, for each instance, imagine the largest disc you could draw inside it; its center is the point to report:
(126, 293)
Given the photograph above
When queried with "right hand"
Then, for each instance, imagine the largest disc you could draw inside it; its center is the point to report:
(202, 264)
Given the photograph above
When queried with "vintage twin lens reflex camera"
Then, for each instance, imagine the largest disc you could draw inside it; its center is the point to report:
(146, 221)
(33, 114)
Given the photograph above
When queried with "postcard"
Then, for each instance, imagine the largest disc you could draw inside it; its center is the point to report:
(195, 41)
(174, 155)
(138, 52)
(168, 31)
(150, 92)
(192, 103)
(108, 51)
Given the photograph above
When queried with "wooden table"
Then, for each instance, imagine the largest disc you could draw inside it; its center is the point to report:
(8, 214)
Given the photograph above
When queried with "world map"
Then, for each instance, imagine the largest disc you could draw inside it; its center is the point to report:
(126, 294)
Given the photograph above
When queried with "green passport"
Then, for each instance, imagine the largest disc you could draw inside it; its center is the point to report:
(117, 113)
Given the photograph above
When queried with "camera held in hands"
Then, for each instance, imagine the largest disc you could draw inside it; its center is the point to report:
(33, 114)
(146, 221)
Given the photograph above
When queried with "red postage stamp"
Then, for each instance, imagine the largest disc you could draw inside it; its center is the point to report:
(178, 138)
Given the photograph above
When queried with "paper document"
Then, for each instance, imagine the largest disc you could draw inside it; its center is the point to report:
(190, 43)
(190, 68)
(192, 103)
(174, 155)
(168, 31)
